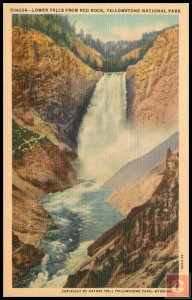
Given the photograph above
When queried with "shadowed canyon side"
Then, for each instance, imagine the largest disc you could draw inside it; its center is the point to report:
(51, 90)
(152, 84)
(139, 250)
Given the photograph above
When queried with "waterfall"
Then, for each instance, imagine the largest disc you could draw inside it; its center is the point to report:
(106, 140)
(101, 126)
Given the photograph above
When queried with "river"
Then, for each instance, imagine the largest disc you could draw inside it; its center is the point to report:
(80, 214)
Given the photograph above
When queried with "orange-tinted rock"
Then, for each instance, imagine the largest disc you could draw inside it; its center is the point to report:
(58, 85)
(25, 256)
(132, 54)
(47, 167)
(155, 84)
(28, 118)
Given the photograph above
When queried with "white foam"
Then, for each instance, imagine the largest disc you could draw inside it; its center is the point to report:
(106, 141)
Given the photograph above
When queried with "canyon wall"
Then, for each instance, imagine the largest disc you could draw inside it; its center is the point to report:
(152, 84)
(51, 89)
(52, 81)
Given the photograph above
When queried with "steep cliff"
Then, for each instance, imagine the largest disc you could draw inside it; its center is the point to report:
(51, 89)
(152, 84)
(52, 81)
(142, 248)
(88, 53)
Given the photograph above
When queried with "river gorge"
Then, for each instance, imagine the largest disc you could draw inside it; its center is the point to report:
(80, 214)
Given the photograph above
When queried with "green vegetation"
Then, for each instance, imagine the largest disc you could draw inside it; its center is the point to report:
(127, 229)
(90, 62)
(120, 256)
(109, 265)
(145, 47)
(169, 152)
(57, 27)
(115, 64)
(106, 272)
(113, 51)
(63, 33)
(23, 139)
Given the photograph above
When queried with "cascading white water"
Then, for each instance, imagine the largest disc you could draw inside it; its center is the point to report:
(106, 139)
(101, 127)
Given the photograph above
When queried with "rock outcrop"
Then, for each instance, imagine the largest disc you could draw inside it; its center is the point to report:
(142, 248)
(152, 84)
(51, 89)
(24, 257)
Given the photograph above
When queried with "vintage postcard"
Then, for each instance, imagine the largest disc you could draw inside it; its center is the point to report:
(96, 150)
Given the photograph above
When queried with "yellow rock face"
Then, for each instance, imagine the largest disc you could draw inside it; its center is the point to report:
(156, 82)
(39, 65)
(45, 75)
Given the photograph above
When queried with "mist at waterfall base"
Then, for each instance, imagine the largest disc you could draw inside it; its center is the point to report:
(107, 140)
(80, 214)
